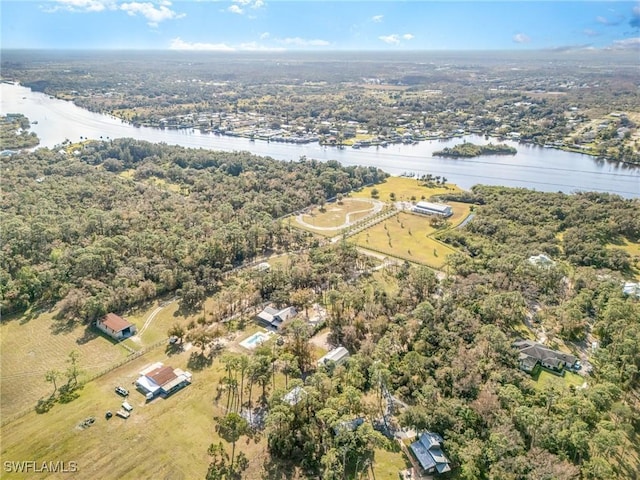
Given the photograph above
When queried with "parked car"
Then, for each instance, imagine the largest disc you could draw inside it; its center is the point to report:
(122, 391)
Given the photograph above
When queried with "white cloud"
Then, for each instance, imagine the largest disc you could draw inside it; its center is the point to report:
(82, 5)
(393, 39)
(256, 47)
(239, 6)
(179, 44)
(377, 18)
(521, 38)
(301, 42)
(153, 14)
(627, 43)
(408, 36)
(264, 35)
(590, 33)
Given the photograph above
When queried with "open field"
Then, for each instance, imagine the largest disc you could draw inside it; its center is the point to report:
(143, 446)
(32, 347)
(336, 217)
(404, 188)
(406, 236)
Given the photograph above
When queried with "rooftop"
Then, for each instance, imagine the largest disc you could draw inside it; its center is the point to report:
(114, 322)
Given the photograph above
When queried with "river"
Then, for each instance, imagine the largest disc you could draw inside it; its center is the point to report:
(532, 167)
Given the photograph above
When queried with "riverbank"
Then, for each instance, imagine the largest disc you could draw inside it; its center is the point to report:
(533, 167)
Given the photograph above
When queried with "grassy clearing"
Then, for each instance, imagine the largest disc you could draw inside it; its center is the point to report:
(404, 189)
(46, 343)
(633, 249)
(32, 347)
(544, 379)
(335, 216)
(388, 464)
(144, 445)
(406, 236)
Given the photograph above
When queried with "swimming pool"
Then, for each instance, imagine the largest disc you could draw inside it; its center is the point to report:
(254, 340)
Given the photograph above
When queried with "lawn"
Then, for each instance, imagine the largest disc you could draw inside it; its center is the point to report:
(32, 347)
(406, 236)
(335, 216)
(404, 188)
(143, 446)
(45, 343)
(544, 379)
(388, 464)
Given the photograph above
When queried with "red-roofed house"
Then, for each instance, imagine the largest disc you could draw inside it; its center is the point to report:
(115, 326)
(158, 379)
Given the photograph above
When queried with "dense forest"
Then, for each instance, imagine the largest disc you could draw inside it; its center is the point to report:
(107, 225)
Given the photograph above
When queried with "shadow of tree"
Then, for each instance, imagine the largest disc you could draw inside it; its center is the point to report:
(199, 361)
(173, 349)
(89, 334)
(279, 470)
(62, 325)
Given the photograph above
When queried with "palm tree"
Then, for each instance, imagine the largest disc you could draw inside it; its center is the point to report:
(231, 427)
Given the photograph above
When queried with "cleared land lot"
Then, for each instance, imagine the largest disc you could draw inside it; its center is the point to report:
(404, 188)
(337, 216)
(406, 236)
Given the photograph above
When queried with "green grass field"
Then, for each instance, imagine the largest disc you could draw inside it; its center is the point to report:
(544, 379)
(32, 347)
(388, 464)
(404, 188)
(165, 438)
(406, 236)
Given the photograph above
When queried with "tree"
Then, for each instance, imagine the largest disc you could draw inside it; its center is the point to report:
(231, 427)
(73, 371)
(178, 331)
(52, 376)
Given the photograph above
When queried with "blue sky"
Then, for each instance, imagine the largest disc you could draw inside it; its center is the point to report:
(263, 25)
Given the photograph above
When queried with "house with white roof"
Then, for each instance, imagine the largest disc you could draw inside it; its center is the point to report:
(428, 208)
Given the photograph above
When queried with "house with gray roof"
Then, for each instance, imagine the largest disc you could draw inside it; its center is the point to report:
(274, 318)
(532, 354)
(428, 451)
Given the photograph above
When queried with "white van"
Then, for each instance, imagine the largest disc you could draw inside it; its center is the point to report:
(127, 406)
